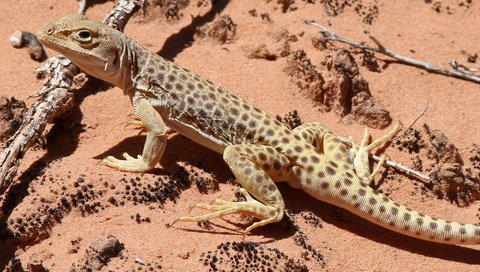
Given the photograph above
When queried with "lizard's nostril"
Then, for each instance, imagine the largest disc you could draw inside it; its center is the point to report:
(50, 30)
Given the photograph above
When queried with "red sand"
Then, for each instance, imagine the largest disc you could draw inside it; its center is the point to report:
(347, 242)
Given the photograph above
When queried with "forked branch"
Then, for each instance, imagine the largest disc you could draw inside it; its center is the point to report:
(457, 71)
(55, 99)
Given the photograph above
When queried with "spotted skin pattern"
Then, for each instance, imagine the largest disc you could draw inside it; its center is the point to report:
(258, 149)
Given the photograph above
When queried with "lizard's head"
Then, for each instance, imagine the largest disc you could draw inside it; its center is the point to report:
(92, 46)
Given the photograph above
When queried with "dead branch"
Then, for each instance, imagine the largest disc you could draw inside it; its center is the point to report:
(56, 98)
(414, 121)
(393, 164)
(455, 72)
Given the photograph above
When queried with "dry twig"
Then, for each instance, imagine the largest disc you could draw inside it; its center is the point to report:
(464, 74)
(55, 99)
(414, 121)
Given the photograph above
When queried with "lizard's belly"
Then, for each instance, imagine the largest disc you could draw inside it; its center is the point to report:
(196, 135)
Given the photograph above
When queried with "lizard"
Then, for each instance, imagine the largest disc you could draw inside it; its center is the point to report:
(258, 149)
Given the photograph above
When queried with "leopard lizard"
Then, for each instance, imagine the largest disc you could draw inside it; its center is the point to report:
(258, 149)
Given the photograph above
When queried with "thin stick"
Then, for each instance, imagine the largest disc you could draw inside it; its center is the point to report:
(56, 98)
(462, 74)
(395, 165)
(414, 121)
(420, 115)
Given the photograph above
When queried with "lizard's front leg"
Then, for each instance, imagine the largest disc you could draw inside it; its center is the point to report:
(253, 166)
(154, 144)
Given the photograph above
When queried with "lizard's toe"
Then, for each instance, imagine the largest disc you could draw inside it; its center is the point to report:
(127, 156)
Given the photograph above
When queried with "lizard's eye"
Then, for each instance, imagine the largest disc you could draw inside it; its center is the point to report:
(84, 36)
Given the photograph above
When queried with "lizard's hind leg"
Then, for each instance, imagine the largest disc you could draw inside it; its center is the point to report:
(253, 166)
(325, 142)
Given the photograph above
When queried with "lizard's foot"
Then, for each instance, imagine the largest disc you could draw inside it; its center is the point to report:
(130, 164)
(361, 154)
(221, 207)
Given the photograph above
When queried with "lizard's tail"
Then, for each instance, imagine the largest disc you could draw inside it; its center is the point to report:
(362, 200)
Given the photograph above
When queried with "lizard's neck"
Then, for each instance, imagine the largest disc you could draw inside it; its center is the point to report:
(128, 68)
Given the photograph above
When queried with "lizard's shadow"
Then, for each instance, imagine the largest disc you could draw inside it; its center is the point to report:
(179, 149)
(350, 222)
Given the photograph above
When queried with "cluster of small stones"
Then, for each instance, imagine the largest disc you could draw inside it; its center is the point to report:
(171, 8)
(98, 254)
(437, 6)
(368, 13)
(89, 198)
(311, 219)
(452, 176)
(141, 190)
(37, 223)
(222, 31)
(249, 256)
(303, 72)
(310, 252)
(411, 140)
(139, 219)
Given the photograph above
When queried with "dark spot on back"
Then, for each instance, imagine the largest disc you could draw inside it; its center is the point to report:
(330, 170)
(333, 164)
(347, 181)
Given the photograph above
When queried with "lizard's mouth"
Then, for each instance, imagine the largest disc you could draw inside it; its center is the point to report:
(59, 46)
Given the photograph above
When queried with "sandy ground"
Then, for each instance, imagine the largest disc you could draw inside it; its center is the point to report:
(66, 200)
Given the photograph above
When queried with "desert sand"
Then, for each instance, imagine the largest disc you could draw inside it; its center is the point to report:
(64, 201)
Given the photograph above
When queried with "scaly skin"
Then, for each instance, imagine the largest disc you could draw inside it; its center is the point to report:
(258, 149)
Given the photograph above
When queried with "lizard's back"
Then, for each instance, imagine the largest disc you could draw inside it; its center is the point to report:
(200, 109)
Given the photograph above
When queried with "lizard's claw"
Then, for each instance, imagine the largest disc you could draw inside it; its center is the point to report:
(130, 164)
